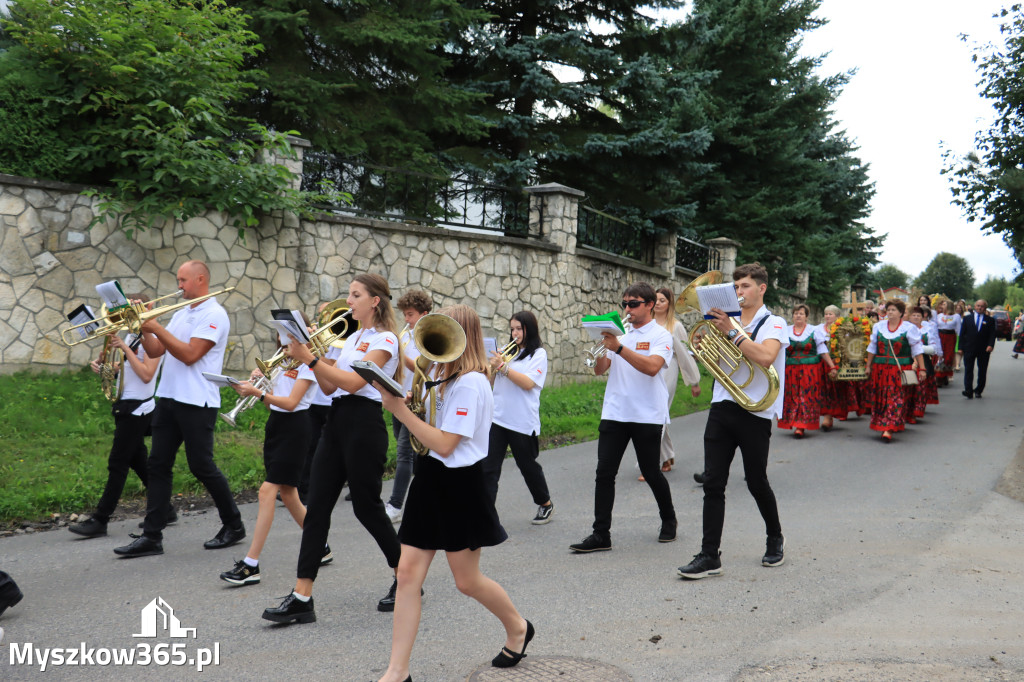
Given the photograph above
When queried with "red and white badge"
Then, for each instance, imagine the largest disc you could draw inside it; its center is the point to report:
(363, 347)
(643, 345)
(461, 411)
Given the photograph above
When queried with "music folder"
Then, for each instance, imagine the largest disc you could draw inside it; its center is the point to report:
(371, 372)
(289, 322)
(220, 379)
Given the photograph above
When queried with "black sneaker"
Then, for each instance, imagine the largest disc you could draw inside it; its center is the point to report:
(242, 574)
(328, 556)
(774, 553)
(291, 610)
(592, 543)
(141, 546)
(668, 531)
(387, 602)
(702, 566)
(92, 528)
(543, 514)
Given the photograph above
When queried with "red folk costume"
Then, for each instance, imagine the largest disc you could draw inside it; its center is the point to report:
(801, 406)
(928, 390)
(838, 398)
(949, 330)
(890, 396)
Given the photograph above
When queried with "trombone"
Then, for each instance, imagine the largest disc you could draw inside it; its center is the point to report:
(440, 339)
(711, 347)
(128, 317)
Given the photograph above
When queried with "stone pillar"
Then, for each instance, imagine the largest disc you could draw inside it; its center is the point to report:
(727, 250)
(292, 161)
(665, 252)
(803, 279)
(554, 214)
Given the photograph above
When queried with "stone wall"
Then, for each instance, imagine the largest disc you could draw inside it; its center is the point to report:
(50, 262)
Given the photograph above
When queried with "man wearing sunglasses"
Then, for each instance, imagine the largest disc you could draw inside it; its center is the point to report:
(635, 409)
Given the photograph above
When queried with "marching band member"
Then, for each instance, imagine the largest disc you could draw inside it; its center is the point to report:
(681, 363)
(449, 508)
(193, 342)
(353, 446)
(286, 439)
(807, 349)
(517, 386)
(635, 409)
(132, 416)
(895, 346)
(319, 407)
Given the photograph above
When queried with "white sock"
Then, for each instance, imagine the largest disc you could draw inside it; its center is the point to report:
(300, 597)
(253, 563)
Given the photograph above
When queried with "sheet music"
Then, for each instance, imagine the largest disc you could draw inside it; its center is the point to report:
(596, 329)
(490, 345)
(112, 294)
(289, 322)
(80, 315)
(220, 379)
(721, 296)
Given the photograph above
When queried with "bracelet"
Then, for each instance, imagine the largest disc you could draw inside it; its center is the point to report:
(618, 351)
(505, 370)
(263, 396)
(313, 363)
(741, 340)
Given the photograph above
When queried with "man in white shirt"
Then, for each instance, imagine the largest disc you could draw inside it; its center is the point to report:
(635, 409)
(729, 426)
(194, 342)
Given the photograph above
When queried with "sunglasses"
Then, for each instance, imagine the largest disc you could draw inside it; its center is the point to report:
(632, 304)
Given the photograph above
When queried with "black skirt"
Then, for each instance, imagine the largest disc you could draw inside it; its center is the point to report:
(285, 442)
(449, 509)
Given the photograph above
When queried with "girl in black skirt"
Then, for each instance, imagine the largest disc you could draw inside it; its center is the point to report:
(353, 445)
(448, 506)
(285, 438)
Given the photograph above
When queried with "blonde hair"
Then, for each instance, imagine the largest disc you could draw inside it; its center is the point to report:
(383, 313)
(474, 358)
(834, 309)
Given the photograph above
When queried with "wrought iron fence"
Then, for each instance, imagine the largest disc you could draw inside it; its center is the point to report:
(607, 233)
(696, 257)
(460, 200)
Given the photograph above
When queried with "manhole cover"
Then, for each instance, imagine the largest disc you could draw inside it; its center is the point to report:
(561, 668)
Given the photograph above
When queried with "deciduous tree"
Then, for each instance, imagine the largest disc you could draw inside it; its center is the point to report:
(947, 274)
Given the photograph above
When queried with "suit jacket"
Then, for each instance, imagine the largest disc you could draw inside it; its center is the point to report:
(974, 340)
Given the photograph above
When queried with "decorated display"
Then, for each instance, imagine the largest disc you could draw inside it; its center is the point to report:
(848, 344)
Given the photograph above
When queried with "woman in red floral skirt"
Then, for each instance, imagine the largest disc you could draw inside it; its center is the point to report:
(895, 346)
(801, 406)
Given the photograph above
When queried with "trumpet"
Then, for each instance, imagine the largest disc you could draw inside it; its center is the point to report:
(128, 317)
(598, 351)
(263, 383)
(440, 339)
(711, 347)
(332, 333)
(510, 352)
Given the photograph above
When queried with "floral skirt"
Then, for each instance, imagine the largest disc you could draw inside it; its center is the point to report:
(930, 391)
(1018, 346)
(944, 363)
(890, 398)
(838, 398)
(801, 405)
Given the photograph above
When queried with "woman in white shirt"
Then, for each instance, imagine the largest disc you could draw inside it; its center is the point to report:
(801, 407)
(948, 323)
(895, 346)
(353, 446)
(681, 363)
(448, 507)
(517, 386)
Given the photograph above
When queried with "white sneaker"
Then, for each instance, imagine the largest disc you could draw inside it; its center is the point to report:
(394, 513)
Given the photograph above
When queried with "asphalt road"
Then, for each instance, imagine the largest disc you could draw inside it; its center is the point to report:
(902, 563)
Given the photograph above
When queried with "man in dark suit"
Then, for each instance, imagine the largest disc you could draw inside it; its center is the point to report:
(977, 339)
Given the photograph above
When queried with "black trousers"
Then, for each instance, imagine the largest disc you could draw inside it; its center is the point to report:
(611, 445)
(981, 357)
(175, 423)
(525, 450)
(353, 448)
(317, 417)
(729, 427)
(128, 452)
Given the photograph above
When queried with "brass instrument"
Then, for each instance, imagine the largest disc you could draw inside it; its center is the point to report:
(440, 339)
(331, 333)
(509, 352)
(129, 318)
(111, 368)
(598, 351)
(711, 347)
(263, 383)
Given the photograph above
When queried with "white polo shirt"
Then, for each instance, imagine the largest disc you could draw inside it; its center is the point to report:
(185, 383)
(631, 395)
(286, 382)
(134, 387)
(467, 409)
(514, 408)
(773, 328)
(411, 352)
(319, 397)
(358, 345)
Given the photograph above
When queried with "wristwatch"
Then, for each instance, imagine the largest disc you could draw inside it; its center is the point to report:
(731, 334)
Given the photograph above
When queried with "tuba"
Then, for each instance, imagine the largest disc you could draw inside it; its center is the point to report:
(440, 339)
(711, 347)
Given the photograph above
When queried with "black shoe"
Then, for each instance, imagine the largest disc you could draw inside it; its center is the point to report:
(9, 592)
(668, 531)
(387, 602)
(93, 528)
(172, 517)
(328, 556)
(967, 394)
(774, 553)
(242, 574)
(977, 394)
(291, 610)
(142, 546)
(507, 658)
(700, 478)
(348, 497)
(543, 514)
(702, 566)
(226, 537)
(592, 543)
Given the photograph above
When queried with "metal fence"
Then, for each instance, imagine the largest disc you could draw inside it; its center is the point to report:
(696, 257)
(461, 201)
(607, 233)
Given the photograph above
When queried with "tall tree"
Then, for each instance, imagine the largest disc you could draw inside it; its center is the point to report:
(887, 275)
(988, 184)
(993, 290)
(947, 274)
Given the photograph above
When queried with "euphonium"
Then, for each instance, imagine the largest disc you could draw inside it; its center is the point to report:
(711, 347)
(439, 338)
(111, 370)
(598, 351)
